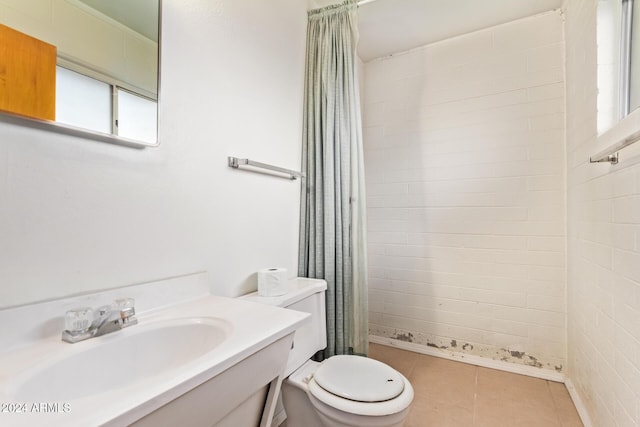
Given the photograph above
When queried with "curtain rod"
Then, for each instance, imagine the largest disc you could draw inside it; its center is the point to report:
(363, 2)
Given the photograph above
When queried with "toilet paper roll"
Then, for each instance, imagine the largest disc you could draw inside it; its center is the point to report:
(272, 282)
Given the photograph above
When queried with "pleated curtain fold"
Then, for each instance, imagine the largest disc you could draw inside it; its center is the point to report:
(333, 220)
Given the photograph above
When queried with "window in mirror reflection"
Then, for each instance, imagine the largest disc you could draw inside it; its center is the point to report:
(82, 101)
(137, 117)
(92, 104)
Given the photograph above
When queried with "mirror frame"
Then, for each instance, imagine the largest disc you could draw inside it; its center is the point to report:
(65, 129)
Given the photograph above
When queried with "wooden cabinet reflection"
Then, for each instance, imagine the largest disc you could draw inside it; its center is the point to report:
(27, 75)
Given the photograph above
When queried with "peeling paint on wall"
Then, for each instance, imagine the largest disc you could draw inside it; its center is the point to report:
(408, 337)
(527, 359)
(442, 347)
(457, 347)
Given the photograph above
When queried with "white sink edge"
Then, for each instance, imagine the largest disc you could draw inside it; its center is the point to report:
(14, 385)
(255, 326)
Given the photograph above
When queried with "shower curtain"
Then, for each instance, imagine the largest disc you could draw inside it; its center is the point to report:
(332, 213)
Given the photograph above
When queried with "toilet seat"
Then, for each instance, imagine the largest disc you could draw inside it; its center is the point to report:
(359, 379)
(400, 388)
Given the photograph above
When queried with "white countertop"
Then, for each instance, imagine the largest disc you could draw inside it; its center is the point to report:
(253, 327)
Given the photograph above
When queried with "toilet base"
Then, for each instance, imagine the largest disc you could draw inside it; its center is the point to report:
(300, 412)
(332, 417)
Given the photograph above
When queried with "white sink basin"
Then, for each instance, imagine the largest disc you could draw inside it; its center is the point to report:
(188, 345)
(134, 354)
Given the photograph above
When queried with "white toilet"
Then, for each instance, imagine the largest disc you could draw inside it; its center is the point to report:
(342, 390)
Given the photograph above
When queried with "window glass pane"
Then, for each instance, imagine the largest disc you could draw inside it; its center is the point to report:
(82, 101)
(137, 117)
(608, 38)
(634, 85)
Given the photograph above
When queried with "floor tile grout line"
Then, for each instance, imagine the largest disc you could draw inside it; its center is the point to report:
(414, 360)
(555, 404)
(475, 398)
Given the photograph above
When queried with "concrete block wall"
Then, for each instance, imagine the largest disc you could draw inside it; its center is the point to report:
(465, 164)
(603, 274)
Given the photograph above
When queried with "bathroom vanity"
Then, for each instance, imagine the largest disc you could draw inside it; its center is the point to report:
(193, 359)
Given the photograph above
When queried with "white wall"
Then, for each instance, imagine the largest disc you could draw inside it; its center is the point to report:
(464, 145)
(316, 4)
(603, 278)
(78, 215)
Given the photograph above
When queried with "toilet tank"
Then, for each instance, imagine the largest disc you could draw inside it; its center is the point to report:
(306, 295)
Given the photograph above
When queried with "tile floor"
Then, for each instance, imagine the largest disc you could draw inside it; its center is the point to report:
(449, 393)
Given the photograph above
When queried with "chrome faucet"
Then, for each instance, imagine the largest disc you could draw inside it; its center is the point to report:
(81, 324)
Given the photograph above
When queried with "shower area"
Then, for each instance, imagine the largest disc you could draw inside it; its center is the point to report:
(491, 237)
(465, 164)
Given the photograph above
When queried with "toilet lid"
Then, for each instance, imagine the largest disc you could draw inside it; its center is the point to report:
(359, 379)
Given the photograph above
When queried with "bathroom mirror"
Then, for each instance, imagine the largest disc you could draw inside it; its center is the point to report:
(107, 73)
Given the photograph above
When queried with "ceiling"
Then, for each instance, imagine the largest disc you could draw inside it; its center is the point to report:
(391, 26)
(139, 15)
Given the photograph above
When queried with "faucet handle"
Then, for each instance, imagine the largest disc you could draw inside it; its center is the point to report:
(122, 303)
(125, 305)
(127, 310)
(78, 320)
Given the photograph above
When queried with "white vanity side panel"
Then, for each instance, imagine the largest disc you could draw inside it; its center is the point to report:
(221, 399)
